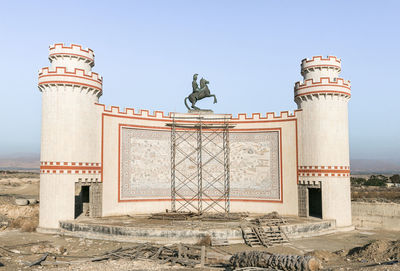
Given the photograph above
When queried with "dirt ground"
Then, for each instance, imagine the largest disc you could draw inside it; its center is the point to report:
(18, 249)
(19, 246)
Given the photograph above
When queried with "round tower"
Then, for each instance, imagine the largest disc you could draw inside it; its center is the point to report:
(323, 140)
(70, 151)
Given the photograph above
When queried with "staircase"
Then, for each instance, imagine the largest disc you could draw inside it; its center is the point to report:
(264, 232)
(250, 236)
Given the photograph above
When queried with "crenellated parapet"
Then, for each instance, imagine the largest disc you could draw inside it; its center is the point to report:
(269, 116)
(321, 78)
(167, 116)
(322, 86)
(61, 55)
(90, 81)
(318, 66)
(71, 66)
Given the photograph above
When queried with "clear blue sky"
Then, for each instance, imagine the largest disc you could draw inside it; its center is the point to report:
(250, 51)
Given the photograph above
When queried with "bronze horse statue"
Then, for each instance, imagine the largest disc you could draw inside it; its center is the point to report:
(199, 93)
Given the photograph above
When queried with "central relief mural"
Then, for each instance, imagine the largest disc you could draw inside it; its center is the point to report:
(146, 165)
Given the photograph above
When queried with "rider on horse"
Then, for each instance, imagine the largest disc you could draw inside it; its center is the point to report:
(195, 86)
(198, 93)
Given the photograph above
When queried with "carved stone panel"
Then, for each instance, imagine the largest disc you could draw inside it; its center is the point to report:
(255, 169)
(146, 169)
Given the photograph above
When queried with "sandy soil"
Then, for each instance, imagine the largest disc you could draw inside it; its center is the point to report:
(21, 188)
(21, 248)
(18, 249)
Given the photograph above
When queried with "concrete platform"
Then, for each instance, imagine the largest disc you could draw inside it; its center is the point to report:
(143, 229)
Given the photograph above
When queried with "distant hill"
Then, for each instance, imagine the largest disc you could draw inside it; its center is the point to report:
(20, 162)
(372, 166)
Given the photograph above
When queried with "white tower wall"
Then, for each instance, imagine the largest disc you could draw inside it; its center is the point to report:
(323, 133)
(70, 141)
(318, 67)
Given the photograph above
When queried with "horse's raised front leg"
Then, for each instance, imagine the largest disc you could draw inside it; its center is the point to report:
(215, 98)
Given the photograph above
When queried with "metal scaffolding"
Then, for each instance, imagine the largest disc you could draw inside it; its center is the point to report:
(200, 166)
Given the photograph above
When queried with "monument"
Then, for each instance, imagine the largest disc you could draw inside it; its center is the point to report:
(199, 94)
(103, 161)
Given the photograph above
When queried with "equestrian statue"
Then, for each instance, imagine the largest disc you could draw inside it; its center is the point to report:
(199, 93)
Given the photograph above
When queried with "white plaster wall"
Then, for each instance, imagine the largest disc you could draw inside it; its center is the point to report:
(71, 63)
(336, 200)
(324, 142)
(69, 131)
(111, 205)
(56, 199)
(324, 131)
(317, 73)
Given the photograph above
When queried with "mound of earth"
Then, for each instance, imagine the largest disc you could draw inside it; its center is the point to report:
(381, 250)
(323, 255)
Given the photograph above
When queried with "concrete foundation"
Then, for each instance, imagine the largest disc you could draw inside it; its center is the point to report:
(142, 229)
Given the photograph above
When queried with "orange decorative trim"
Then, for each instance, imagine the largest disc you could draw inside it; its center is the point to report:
(340, 82)
(69, 83)
(329, 58)
(63, 70)
(69, 167)
(52, 47)
(327, 171)
(120, 125)
(161, 116)
(323, 167)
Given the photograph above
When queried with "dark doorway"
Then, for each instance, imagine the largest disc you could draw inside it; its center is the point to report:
(82, 200)
(315, 202)
(85, 193)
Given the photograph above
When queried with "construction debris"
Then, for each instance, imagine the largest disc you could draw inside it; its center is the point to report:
(38, 261)
(265, 231)
(199, 216)
(276, 261)
(185, 255)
